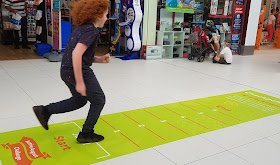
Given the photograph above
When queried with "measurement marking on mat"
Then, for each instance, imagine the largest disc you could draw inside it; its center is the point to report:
(186, 117)
(144, 127)
(216, 110)
(108, 154)
(166, 122)
(204, 114)
(120, 132)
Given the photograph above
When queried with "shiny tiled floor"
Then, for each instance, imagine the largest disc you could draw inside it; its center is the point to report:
(136, 84)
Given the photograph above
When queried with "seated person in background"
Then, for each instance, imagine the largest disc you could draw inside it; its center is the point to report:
(225, 57)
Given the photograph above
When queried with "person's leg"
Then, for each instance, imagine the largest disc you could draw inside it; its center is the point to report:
(270, 33)
(97, 100)
(16, 39)
(222, 61)
(24, 32)
(217, 47)
(96, 97)
(218, 57)
(77, 101)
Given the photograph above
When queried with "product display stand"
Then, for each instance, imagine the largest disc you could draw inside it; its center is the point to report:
(172, 43)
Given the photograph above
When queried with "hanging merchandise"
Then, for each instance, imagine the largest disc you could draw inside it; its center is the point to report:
(31, 19)
(273, 4)
(214, 7)
(183, 6)
(260, 28)
(49, 17)
(226, 7)
(230, 7)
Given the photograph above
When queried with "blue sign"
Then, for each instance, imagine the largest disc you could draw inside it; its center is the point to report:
(235, 43)
(56, 5)
(239, 2)
(237, 23)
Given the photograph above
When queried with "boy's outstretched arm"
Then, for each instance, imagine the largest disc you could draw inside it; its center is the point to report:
(77, 55)
(102, 59)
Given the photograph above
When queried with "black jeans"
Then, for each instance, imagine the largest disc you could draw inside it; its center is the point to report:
(95, 96)
(23, 33)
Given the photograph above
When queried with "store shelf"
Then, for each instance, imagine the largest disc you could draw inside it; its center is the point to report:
(202, 22)
(219, 16)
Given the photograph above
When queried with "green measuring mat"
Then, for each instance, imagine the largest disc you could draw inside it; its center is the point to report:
(134, 130)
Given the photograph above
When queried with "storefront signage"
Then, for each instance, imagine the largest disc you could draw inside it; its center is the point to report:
(277, 34)
(236, 29)
(186, 6)
(260, 28)
(235, 43)
(56, 29)
(239, 2)
(237, 20)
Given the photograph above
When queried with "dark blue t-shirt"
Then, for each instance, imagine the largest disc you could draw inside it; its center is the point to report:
(87, 34)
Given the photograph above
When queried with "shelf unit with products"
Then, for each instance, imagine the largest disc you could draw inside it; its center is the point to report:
(31, 21)
(172, 43)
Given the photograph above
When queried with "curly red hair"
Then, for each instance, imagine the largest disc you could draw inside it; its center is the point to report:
(87, 11)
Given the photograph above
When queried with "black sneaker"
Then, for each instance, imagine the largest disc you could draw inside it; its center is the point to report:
(16, 47)
(89, 137)
(42, 115)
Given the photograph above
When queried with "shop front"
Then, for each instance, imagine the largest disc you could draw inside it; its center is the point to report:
(230, 20)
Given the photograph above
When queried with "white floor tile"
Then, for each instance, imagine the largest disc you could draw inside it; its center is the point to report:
(25, 73)
(263, 127)
(17, 123)
(148, 156)
(116, 107)
(259, 152)
(275, 138)
(156, 101)
(15, 64)
(188, 150)
(13, 100)
(44, 90)
(231, 137)
(224, 158)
